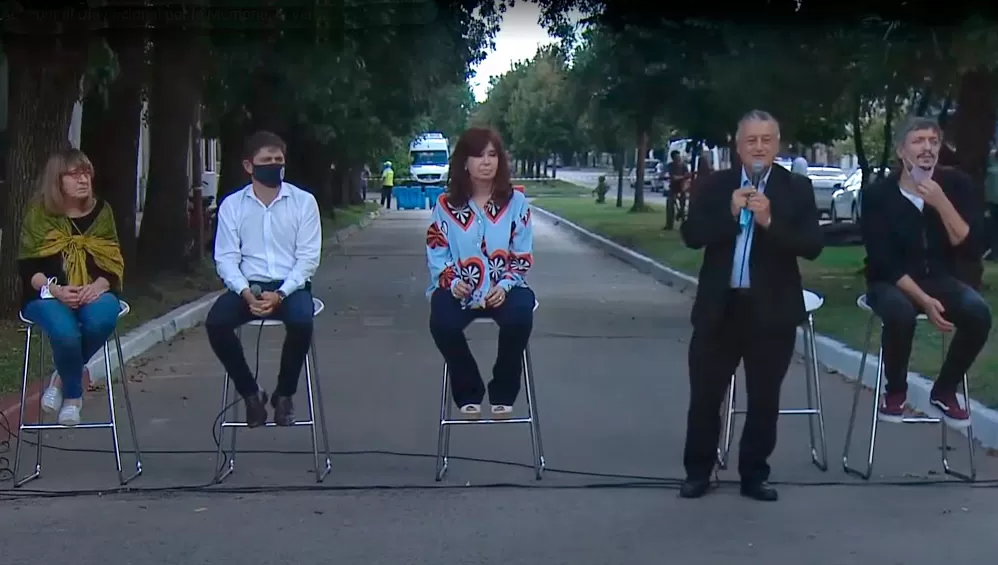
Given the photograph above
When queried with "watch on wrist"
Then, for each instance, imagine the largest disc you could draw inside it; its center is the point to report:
(281, 294)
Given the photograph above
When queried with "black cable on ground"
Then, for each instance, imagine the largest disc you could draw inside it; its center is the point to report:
(613, 481)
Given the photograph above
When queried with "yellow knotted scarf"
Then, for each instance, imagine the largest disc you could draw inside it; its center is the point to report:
(44, 235)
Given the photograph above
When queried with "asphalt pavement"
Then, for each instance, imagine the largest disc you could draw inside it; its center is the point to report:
(609, 350)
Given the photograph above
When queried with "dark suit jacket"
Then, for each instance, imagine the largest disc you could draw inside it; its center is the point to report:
(775, 277)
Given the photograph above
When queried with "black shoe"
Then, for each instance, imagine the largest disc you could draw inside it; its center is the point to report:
(284, 410)
(694, 488)
(760, 491)
(256, 409)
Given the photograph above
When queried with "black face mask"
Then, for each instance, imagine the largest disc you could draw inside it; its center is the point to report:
(270, 175)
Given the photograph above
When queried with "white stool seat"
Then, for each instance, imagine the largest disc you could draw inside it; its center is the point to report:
(317, 307)
(864, 306)
(812, 382)
(313, 389)
(112, 423)
(490, 320)
(812, 301)
(861, 302)
(123, 310)
(532, 419)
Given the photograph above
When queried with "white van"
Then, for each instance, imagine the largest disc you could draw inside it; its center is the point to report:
(430, 154)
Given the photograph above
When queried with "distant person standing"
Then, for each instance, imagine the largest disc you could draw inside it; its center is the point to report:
(679, 173)
(800, 164)
(991, 198)
(387, 183)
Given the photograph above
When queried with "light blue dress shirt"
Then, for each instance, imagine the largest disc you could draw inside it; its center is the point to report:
(743, 245)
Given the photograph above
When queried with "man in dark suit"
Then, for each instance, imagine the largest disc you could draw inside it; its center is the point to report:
(749, 300)
(922, 228)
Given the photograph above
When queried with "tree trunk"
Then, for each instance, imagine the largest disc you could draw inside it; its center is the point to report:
(231, 174)
(639, 170)
(111, 135)
(857, 128)
(175, 86)
(973, 129)
(890, 106)
(44, 75)
(974, 125)
(618, 165)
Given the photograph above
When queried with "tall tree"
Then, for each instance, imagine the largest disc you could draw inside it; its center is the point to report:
(46, 61)
(174, 95)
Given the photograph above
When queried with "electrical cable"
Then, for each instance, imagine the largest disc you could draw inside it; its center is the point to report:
(611, 480)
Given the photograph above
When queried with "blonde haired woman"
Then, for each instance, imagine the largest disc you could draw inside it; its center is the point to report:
(71, 270)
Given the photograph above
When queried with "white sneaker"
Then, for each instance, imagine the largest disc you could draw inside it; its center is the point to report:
(70, 414)
(471, 411)
(52, 398)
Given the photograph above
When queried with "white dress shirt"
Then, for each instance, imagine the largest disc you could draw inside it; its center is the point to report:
(280, 242)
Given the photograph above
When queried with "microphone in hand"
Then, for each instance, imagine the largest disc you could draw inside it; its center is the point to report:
(256, 291)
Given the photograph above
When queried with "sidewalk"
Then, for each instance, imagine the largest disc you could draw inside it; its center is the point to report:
(609, 350)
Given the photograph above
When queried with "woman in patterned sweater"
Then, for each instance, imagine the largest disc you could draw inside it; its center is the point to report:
(479, 247)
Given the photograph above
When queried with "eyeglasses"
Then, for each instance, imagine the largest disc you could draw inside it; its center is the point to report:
(78, 173)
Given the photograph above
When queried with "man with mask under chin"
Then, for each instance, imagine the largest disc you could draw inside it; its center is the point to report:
(919, 226)
(267, 248)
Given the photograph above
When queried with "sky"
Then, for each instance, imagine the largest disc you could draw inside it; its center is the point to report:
(519, 37)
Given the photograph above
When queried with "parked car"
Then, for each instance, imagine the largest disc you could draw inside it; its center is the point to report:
(846, 200)
(653, 179)
(826, 181)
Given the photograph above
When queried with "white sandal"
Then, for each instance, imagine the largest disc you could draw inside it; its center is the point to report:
(471, 411)
(502, 411)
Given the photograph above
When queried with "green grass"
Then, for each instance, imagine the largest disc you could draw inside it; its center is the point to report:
(835, 275)
(553, 187)
(350, 215)
(149, 301)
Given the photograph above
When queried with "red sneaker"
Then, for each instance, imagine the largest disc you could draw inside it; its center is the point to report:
(892, 407)
(950, 409)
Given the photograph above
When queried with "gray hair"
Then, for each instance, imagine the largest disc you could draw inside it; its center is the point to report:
(915, 123)
(756, 116)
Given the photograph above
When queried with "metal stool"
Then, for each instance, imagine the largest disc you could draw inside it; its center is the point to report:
(812, 302)
(112, 424)
(861, 302)
(446, 408)
(221, 472)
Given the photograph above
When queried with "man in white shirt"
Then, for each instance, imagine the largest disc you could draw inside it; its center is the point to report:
(267, 248)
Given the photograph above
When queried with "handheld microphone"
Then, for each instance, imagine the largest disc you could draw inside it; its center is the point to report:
(745, 218)
(256, 290)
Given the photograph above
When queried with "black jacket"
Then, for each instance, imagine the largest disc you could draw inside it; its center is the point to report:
(900, 240)
(776, 280)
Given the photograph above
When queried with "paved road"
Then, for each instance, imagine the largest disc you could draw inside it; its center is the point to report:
(610, 350)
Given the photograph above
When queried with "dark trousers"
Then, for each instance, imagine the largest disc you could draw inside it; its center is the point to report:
(515, 318)
(230, 311)
(713, 357)
(386, 197)
(965, 309)
(675, 206)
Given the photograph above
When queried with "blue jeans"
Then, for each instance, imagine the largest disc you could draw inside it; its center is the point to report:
(75, 335)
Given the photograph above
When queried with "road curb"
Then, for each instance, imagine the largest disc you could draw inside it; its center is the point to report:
(143, 338)
(835, 356)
